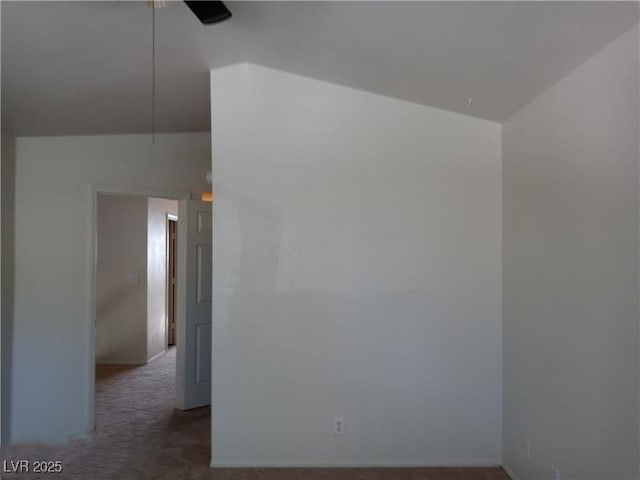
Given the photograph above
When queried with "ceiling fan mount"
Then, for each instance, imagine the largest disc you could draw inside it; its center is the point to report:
(209, 12)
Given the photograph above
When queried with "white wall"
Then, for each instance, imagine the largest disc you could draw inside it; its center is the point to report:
(158, 209)
(121, 306)
(3, 206)
(7, 169)
(570, 273)
(52, 328)
(357, 274)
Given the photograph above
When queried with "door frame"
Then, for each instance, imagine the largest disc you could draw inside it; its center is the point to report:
(169, 218)
(96, 189)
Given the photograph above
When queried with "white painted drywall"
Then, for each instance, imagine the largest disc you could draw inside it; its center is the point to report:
(7, 229)
(51, 321)
(356, 274)
(121, 302)
(158, 209)
(2, 206)
(570, 274)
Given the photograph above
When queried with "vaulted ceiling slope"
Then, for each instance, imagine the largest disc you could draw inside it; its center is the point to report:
(85, 67)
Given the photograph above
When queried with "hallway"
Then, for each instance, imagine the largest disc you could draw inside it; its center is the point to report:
(140, 436)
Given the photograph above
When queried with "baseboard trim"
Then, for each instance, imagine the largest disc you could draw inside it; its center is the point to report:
(478, 462)
(513, 476)
(156, 356)
(509, 472)
(123, 363)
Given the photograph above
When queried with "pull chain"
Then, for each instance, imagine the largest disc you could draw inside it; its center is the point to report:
(153, 75)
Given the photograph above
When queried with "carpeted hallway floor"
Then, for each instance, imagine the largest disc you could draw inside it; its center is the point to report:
(140, 436)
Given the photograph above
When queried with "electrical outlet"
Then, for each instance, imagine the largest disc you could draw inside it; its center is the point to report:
(528, 447)
(556, 473)
(338, 425)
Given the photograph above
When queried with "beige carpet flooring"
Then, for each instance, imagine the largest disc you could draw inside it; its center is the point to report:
(140, 436)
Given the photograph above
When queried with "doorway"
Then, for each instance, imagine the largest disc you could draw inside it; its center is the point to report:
(172, 274)
(192, 300)
(131, 278)
(128, 287)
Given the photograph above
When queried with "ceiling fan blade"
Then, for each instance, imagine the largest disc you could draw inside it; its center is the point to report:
(209, 12)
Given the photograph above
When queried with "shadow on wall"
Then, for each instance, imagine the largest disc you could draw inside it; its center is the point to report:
(8, 269)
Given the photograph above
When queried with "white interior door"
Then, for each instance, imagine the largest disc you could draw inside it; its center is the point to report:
(195, 248)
